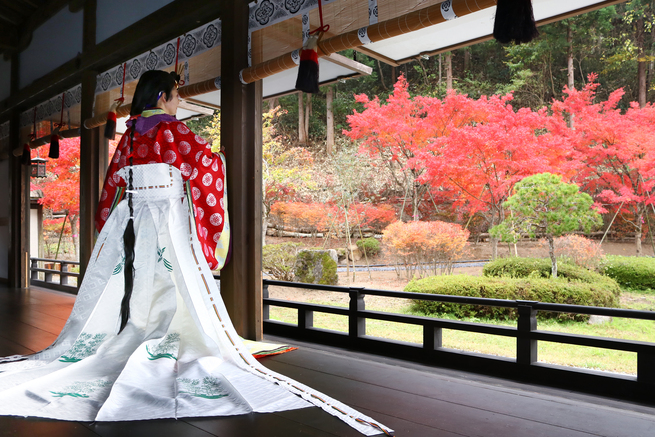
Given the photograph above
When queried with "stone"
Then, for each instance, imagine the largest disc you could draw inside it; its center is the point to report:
(599, 320)
(354, 253)
(316, 267)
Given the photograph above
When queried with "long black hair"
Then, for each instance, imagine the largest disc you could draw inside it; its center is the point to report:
(148, 90)
(152, 85)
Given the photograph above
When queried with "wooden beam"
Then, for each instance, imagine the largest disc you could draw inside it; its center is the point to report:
(343, 61)
(185, 104)
(118, 48)
(378, 56)
(201, 103)
(241, 278)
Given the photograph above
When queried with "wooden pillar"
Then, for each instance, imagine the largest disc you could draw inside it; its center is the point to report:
(93, 151)
(20, 197)
(241, 121)
(93, 147)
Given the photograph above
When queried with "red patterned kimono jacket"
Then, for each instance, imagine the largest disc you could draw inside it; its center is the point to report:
(163, 139)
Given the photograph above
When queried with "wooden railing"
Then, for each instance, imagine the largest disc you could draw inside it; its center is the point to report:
(54, 274)
(525, 367)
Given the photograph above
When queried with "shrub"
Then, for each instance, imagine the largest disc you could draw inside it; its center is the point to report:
(369, 246)
(279, 260)
(577, 249)
(377, 217)
(515, 267)
(415, 244)
(307, 216)
(630, 271)
(537, 289)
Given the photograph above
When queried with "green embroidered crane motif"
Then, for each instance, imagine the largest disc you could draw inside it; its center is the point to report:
(167, 264)
(81, 389)
(85, 346)
(119, 266)
(166, 348)
(208, 388)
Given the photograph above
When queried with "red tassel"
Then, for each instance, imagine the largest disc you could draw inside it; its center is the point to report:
(26, 157)
(307, 80)
(54, 146)
(110, 127)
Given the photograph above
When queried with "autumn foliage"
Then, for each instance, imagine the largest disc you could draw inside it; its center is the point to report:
(577, 249)
(425, 247)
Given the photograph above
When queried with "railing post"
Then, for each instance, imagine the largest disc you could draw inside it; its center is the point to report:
(526, 347)
(432, 337)
(63, 277)
(646, 368)
(356, 325)
(34, 265)
(305, 320)
(266, 309)
(48, 275)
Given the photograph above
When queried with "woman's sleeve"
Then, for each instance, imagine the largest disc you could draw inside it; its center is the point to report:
(205, 172)
(110, 188)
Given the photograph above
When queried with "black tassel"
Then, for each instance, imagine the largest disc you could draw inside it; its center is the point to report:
(110, 127)
(515, 22)
(307, 80)
(128, 242)
(26, 157)
(54, 147)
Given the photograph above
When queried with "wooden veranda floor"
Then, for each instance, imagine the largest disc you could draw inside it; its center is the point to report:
(415, 400)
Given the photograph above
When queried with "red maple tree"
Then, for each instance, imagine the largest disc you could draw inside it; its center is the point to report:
(402, 127)
(481, 162)
(614, 150)
(61, 186)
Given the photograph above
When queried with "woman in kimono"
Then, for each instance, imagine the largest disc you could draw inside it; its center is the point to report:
(149, 336)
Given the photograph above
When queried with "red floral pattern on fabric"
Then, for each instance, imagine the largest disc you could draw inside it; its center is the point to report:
(173, 143)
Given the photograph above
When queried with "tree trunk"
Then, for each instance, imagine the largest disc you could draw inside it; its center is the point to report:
(264, 228)
(638, 230)
(302, 139)
(467, 60)
(449, 71)
(440, 68)
(641, 63)
(308, 112)
(569, 67)
(330, 121)
(551, 252)
(494, 247)
(74, 231)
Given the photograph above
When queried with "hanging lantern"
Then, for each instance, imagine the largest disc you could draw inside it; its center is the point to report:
(38, 168)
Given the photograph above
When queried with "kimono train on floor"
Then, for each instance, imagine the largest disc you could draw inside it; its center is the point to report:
(178, 356)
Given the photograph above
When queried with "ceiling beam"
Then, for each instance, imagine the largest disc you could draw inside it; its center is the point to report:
(128, 43)
(348, 63)
(195, 108)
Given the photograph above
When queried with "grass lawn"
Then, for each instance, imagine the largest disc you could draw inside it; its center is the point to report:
(577, 356)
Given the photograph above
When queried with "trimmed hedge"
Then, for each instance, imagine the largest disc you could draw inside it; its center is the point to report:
(515, 267)
(630, 271)
(538, 289)
(369, 246)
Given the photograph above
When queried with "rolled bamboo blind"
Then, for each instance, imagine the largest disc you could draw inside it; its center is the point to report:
(410, 22)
